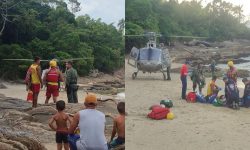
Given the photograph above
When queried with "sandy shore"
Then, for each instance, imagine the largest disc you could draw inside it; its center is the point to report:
(196, 126)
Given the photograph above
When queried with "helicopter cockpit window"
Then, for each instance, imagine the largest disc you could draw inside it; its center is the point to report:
(150, 54)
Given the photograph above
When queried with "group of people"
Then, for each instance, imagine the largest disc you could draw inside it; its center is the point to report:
(89, 121)
(91, 124)
(51, 79)
(230, 79)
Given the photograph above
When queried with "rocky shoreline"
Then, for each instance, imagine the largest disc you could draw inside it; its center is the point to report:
(24, 128)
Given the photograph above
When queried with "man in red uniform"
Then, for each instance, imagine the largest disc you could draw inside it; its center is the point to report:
(52, 77)
(184, 73)
(33, 80)
(232, 72)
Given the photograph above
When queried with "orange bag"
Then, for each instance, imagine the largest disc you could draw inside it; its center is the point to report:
(30, 96)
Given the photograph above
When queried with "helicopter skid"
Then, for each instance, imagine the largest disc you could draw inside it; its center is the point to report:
(134, 75)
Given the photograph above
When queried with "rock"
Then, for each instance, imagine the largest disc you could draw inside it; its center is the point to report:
(18, 141)
(6, 146)
(2, 86)
(13, 103)
(46, 110)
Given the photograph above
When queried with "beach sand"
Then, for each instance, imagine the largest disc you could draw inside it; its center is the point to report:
(196, 125)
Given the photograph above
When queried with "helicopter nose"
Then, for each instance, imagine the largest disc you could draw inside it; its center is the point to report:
(151, 66)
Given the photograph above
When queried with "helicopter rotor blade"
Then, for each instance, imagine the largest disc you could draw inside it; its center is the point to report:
(138, 35)
(72, 59)
(21, 59)
(17, 59)
(183, 36)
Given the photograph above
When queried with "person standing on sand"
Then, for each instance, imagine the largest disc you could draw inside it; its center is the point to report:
(35, 82)
(232, 72)
(198, 78)
(91, 123)
(71, 83)
(212, 67)
(52, 77)
(184, 73)
(61, 128)
(118, 127)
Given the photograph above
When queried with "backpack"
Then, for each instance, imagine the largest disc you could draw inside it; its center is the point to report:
(167, 103)
(158, 113)
(72, 139)
(246, 97)
(212, 98)
(200, 98)
(246, 101)
(191, 97)
(153, 106)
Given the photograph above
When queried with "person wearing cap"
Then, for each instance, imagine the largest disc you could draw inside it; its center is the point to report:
(246, 95)
(232, 72)
(71, 83)
(184, 73)
(52, 78)
(35, 80)
(91, 123)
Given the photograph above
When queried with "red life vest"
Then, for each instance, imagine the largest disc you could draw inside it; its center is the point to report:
(53, 75)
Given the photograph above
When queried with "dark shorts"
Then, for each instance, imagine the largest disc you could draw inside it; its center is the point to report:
(61, 138)
(52, 90)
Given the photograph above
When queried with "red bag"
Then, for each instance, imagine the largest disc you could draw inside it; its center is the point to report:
(158, 113)
(191, 97)
(30, 96)
(153, 106)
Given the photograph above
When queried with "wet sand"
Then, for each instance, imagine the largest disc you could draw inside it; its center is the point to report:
(196, 126)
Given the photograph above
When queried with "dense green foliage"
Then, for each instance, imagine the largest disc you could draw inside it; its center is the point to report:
(219, 20)
(48, 29)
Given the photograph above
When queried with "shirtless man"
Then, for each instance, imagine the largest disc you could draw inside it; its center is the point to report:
(61, 128)
(118, 127)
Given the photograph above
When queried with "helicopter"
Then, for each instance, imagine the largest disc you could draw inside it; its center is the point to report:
(151, 58)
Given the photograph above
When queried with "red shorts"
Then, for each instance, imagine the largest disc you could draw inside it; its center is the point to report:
(52, 89)
(35, 88)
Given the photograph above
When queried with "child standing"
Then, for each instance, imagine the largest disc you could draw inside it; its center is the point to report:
(61, 119)
(118, 127)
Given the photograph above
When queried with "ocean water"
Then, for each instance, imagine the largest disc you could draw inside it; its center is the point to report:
(243, 66)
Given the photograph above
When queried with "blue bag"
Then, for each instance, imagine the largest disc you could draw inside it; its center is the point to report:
(200, 98)
(72, 138)
(246, 101)
(212, 98)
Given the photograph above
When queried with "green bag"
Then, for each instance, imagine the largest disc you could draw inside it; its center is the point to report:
(167, 103)
(218, 103)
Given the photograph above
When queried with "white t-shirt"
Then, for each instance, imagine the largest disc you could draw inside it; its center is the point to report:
(92, 126)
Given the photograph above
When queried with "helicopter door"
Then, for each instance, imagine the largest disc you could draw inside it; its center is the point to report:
(133, 56)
